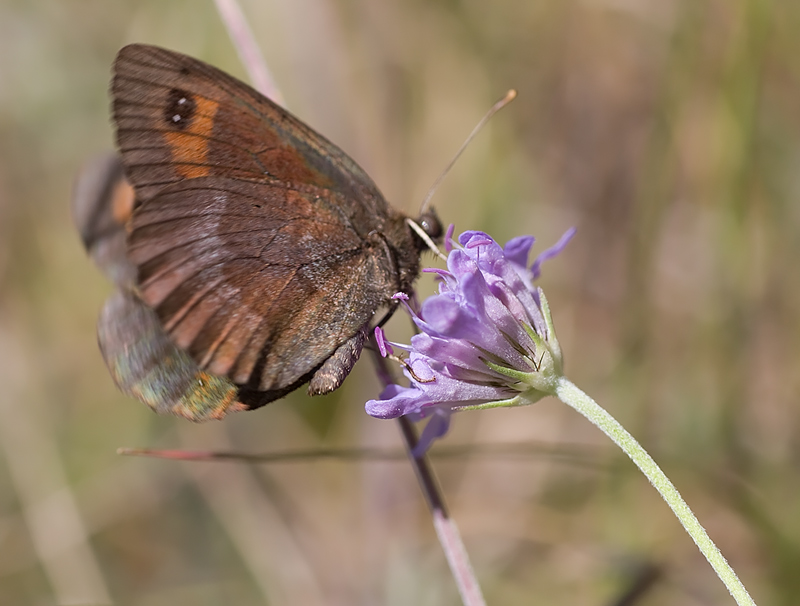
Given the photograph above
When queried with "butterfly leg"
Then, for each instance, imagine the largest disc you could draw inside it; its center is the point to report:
(334, 370)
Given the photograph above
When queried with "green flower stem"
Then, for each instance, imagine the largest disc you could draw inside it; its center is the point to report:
(568, 393)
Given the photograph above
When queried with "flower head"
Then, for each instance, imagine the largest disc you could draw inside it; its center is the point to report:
(486, 339)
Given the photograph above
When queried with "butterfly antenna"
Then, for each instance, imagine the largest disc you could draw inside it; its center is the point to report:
(508, 98)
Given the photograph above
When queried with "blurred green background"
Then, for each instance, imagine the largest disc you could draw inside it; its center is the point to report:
(667, 131)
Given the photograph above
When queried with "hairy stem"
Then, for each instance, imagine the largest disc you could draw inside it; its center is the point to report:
(568, 393)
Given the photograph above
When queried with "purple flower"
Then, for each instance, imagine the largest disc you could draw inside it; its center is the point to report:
(486, 339)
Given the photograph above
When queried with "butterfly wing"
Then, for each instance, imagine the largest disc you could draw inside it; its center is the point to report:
(246, 278)
(102, 203)
(142, 359)
(264, 249)
(180, 118)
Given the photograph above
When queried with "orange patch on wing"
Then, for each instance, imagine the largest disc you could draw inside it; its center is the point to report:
(122, 201)
(189, 147)
(209, 397)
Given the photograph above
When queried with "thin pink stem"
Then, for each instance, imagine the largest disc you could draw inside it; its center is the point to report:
(458, 559)
(249, 52)
(446, 528)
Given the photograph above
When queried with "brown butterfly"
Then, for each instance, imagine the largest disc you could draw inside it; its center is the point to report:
(260, 248)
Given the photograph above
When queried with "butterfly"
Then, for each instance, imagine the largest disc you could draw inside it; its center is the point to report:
(251, 254)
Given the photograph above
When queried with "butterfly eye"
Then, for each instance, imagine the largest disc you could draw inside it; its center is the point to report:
(431, 225)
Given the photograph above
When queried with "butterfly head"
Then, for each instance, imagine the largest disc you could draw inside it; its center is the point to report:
(429, 232)
(431, 225)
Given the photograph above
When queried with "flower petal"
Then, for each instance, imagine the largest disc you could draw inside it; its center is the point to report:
(435, 428)
(384, 347)
(552, 251)
(517, 250)
(396, 401)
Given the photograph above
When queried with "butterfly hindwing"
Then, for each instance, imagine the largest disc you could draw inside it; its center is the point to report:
(243, 276)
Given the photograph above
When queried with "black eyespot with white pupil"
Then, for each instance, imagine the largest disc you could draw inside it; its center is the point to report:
(180, 109)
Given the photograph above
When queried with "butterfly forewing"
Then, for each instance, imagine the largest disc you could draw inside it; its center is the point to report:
(180, 118)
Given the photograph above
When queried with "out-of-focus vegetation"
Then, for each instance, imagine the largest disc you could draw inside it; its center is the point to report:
(667, 131)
